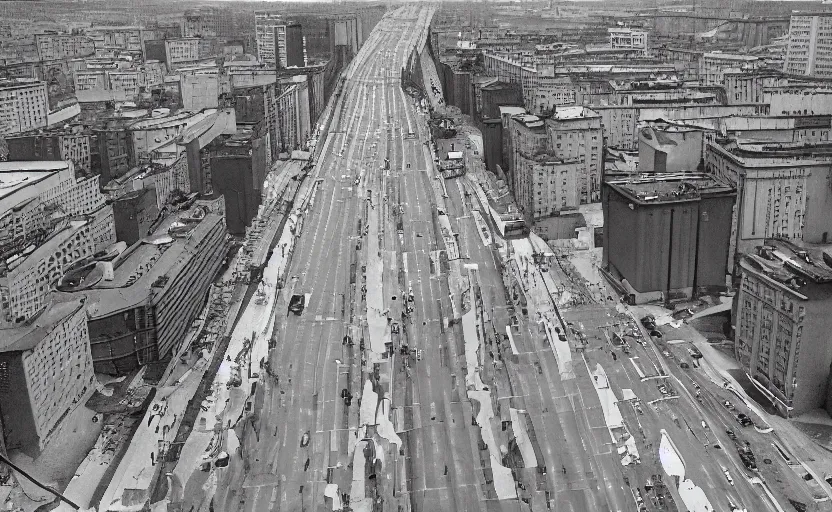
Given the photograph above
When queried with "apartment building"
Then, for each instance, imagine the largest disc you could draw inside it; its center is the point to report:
(780, 193)
(63, 46)
(127, 38)
(543, 183)
(742, 87)
(24, 105)
(270, 34)
(714, 65)
(181, 52)
(809, 51)
(551, 93)
(155, 292)
(46, 371)
(575, 134)
(57, 145)
(782, 325)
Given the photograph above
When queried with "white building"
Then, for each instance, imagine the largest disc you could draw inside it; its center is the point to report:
(714, 65)
(628, 38)
(46, 371)
(23, 105)
(270, 32)
(809, 49)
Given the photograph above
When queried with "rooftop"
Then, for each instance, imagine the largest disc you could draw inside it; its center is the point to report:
(144, 266)
(803, 270)
(28, 335)
(577, 112)
(651, 188)
(15, 176)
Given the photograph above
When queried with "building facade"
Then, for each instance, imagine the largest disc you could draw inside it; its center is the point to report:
(46, 371)
(809, 50)
(667, 237)
(782, 324)
(628, 38)
(575, 134)
(24, 106)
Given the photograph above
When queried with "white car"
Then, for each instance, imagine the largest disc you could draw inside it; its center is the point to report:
(727, 475)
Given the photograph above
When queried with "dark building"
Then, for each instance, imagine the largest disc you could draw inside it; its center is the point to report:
(492, 140)
(238, 171)
(154, 49)
(34, 148)
(114, 148)
(499, 94)
(667, 237)
(294, 45)
(134, 215)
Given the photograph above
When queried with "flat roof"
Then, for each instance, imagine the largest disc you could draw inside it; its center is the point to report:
(805, 271)
(15, 176)
(28, 335)
(661, 188)
(575, 112)
(511, 110)
(141, 265)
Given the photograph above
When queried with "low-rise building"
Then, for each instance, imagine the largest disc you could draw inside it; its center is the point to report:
(666, 236)
(622, 37)
(714, 65)
(782, 324)
(46, 371)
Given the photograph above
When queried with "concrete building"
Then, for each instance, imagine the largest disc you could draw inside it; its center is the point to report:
(134, 214)
(551, 93)
(46, 371)
(743, 87)
(141, 303)
(181, 52)
(668, 148)
(200, 90)
(666, 236)
(543, 183)
(780, 193)
(575, 134)
(714, 65)
(287, 114)
(128, 38)
(57, 145)
(621, 123)
(210, 22)
(276, 41)
(782, 325)
(239, 167)
(798, 99)
(63, 46)
(810, 45)
(24, 106)
(628, 38)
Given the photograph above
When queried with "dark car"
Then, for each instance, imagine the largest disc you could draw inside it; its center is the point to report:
(297, 303)
(744, 420)
(649, 322)
(683, 365)
(731, 434)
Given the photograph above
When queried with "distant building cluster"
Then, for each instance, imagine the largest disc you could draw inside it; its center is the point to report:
(704, 135)
(133, 155)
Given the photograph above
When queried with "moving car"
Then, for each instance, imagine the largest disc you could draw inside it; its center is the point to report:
(304, 440)
(297, 303)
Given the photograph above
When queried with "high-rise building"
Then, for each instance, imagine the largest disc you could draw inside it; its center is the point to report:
(270, 32)
(810, 45)
(46, 372)
(23, 105)
(782, 325)
(575, 134)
